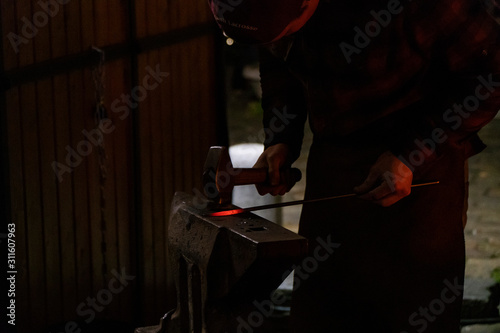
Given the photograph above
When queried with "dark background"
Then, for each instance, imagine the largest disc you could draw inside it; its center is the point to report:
(111, 211)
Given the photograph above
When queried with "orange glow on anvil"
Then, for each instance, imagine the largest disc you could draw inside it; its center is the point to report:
(227, 212)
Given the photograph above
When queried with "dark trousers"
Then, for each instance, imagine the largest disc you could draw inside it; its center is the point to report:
(373, 269)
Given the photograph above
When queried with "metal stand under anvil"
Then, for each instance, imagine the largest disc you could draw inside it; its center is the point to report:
(223, 267)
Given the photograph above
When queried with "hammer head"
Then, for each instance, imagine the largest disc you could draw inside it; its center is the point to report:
(218, 172)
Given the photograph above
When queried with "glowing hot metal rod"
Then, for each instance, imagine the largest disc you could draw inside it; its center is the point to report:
(236, 211)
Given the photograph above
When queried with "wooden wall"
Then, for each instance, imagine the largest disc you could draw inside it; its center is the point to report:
(109, 210)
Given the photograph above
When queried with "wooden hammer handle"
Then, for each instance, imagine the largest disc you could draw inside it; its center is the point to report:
(259, 176)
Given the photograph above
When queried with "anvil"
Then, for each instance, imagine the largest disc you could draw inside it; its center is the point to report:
(223, 266)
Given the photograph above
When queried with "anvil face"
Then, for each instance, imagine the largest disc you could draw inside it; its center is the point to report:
(224, 264)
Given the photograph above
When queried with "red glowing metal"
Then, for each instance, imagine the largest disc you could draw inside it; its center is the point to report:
(227, 212)
(232, 212)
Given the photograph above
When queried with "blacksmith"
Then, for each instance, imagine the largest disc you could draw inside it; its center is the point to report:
(395, 92)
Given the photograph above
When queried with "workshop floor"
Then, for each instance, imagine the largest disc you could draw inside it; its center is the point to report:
(482, 233)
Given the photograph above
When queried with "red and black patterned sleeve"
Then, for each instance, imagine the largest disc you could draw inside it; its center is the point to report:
(283, 103)
(466, 54)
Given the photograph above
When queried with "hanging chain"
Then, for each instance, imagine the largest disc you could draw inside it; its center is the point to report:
(100, 115)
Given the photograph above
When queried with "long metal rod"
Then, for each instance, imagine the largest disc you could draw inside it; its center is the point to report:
(294, 203)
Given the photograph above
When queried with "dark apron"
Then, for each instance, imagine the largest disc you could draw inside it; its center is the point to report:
(398, 269)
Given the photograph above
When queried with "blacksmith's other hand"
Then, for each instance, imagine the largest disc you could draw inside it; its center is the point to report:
(274, 158)
(389, 180)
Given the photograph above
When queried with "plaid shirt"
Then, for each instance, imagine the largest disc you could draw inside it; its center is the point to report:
(385, 70)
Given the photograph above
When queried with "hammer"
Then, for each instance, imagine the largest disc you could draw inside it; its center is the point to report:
(220, 177)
